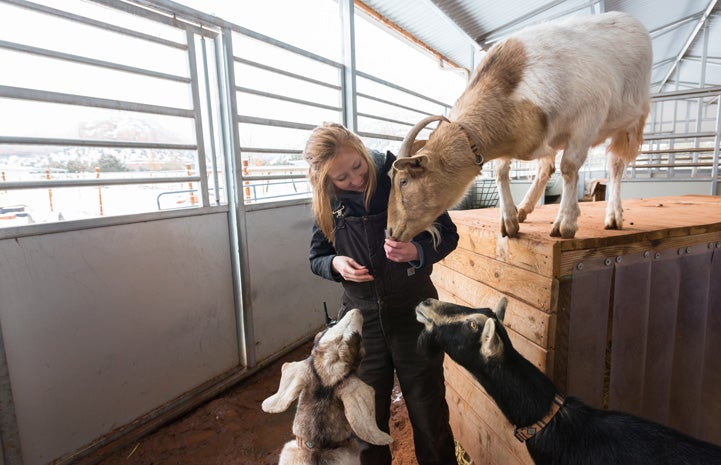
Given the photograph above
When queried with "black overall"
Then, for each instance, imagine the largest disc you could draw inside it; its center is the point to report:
(390, 328)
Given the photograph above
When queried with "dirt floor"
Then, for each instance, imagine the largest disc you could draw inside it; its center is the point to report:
(233, 430)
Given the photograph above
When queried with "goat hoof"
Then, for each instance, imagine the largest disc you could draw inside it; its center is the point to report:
(522, 215)
(509, 228)
(612, 223)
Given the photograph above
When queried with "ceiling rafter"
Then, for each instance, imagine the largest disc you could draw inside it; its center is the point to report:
(702, 20)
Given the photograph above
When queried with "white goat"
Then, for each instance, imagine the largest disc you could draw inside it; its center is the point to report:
(568, 85)
(333, 403)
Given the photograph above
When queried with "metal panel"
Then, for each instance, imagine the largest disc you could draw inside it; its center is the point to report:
(709, 426)
(588, 331)
(628, 345)
(103, 325)
(662, 362)
(686, 378)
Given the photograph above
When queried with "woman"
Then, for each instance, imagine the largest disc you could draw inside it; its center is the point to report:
(384, 278)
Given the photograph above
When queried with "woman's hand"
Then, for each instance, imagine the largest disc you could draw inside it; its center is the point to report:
(400, 251)
(351, 270)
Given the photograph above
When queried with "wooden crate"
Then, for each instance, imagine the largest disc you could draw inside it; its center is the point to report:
(627, 320)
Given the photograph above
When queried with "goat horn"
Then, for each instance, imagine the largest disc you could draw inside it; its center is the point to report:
(405, 150)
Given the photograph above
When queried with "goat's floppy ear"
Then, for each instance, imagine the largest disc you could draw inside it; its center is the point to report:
(293, 378)
(414, 166)
(359, 402)
(500, 309)
(491, 344)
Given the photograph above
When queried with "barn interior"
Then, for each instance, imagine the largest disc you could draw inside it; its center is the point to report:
(155, 208)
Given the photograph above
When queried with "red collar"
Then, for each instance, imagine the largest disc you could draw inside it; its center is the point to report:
(527, 432)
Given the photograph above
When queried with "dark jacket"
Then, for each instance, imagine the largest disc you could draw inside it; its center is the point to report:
(365, 244)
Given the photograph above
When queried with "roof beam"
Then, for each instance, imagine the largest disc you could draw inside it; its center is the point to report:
(687, 45)
(498, 33)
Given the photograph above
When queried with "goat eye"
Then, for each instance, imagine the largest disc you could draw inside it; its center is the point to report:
(473, 325)
(403, 182)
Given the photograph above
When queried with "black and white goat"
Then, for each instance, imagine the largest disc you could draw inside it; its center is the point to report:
(556, 431)
(334, 405)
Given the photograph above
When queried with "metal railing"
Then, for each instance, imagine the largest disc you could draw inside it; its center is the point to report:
(129, 125)
(253, 100)
(681, 142)
(683, 137)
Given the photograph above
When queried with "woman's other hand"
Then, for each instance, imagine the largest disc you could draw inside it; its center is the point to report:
(400, 251)
(351, 270)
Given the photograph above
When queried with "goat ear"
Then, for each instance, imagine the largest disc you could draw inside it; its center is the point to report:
(491, 344)
(415, 166)
(359, 403)
(417, 145)
(293, 378)
(500, 309)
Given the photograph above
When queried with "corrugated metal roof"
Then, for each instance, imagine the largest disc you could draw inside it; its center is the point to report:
(682, 57)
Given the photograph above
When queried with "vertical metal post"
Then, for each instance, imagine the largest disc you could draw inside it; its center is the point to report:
(198, 117)
(672, 142)
(350, 114)
(211, 119)
(701, 84)
(236, 208)
(716, 142)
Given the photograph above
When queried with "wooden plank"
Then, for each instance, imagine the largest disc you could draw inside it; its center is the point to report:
(654, 219)
(644, 219)
(530, 254)
(480, 442)
(535, 354)
(530, 287)
(478, 424)
(520, 317)
(559, 332)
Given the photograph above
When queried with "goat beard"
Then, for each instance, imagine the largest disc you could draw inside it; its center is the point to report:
(428, 345)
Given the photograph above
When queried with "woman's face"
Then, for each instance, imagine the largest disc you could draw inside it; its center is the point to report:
(348, 170)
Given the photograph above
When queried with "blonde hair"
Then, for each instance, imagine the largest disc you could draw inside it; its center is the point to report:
(323, 144)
